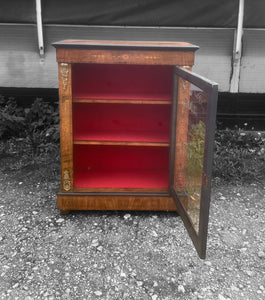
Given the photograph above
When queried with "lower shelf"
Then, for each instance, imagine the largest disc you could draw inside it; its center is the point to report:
(77, 201)
(126, 178)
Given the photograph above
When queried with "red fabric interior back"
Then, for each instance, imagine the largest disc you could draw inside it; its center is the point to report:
(94, 178)
(98, 118)
(122, 81)
(120, 157)
(120, 166)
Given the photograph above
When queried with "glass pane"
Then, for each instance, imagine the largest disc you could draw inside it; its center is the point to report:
(191, 132)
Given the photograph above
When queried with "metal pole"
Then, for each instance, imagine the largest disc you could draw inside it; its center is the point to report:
(39, 27)
(234, 84)
(240, 27)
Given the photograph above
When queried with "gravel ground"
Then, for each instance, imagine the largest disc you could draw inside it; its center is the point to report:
(125, 255)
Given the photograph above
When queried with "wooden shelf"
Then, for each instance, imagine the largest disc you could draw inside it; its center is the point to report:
(130, 138)
(121, 101)
(120, 143)
(164, 191)
(116, 143)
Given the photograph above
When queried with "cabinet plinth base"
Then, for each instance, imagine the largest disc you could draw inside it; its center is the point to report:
(70, 202)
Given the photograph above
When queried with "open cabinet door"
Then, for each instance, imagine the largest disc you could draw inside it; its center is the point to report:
(192, 136)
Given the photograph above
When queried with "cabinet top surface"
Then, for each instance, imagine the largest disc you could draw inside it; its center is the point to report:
(110, 44)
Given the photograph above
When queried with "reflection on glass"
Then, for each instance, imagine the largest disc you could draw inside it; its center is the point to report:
(195, 102)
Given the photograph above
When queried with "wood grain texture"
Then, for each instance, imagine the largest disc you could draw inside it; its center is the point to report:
(121, 101)
(85, 202)
(121, 143)
(147, 57)
(66, 127)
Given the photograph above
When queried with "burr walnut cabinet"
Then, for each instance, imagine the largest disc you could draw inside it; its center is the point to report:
(137, 130)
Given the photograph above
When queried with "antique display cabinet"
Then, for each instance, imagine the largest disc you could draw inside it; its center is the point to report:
(137, 129)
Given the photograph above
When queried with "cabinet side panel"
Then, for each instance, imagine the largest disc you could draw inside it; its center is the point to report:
(66, 128)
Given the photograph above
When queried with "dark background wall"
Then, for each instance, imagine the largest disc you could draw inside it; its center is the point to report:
(209, 23)
(176, 13)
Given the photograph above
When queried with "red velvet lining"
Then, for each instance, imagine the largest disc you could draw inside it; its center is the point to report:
(109, 178)
(106, 81)
(121, 122)
(120, 166)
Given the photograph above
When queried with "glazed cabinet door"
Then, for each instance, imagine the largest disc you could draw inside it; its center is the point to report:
(193, 115)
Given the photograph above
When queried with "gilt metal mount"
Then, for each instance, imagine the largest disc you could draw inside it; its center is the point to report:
(66, 180)
(64, 73)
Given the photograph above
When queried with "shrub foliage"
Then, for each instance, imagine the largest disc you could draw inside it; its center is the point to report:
(239, 155)
(38, 125)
